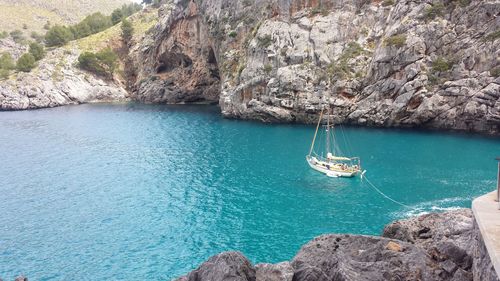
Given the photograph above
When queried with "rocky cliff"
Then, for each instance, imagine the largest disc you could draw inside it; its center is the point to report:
(443, 246)
(387, 63)
(404, 63)
(55, 82)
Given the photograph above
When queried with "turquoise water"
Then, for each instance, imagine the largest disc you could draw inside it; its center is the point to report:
(135, 192)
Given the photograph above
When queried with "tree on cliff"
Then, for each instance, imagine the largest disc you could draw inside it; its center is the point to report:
(127, 30)
(58, 36)
(6, 61)
(26, 63)
(101, 63)
(6, 65)
(37, 51)
(116, 16)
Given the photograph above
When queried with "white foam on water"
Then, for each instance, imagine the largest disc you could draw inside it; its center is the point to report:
(441, 205)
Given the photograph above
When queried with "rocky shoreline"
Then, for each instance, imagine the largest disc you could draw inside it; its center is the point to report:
(428, 64)
(57, 82)
(437, 246)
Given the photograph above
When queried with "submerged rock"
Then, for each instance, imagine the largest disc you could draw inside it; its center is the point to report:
(440, 246)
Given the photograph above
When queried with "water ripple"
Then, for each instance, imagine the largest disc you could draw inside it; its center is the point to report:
(132, 192)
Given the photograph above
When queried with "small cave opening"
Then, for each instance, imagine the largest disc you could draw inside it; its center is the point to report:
(170, 61)
(211, 56)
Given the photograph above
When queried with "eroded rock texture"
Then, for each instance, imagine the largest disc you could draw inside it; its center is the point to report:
(382, 63)
(55, 82)
(178, 64)
(444, 246)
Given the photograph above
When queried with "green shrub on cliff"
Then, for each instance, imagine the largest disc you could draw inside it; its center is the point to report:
(6, 65)
(4, 74)
(492, 36)
(265, 41)
(116, 16)
(102, 63)
(127, 30)
(233, 34)
(37, 51)
(58, 36)
(17, 36)
(268, 68)
(462, 3)
(352, 50)
(26, 63)
(6, 61)
(319, 10)
(495, 72)
(434, 11)
(126, 10)
(396, 40)
(386, 3)
(441, 65)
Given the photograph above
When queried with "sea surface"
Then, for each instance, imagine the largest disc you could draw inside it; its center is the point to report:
(143, 192)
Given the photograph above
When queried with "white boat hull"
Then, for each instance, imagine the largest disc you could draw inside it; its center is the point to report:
(334, 173)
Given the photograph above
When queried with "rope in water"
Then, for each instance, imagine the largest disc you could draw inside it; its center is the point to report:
(383, 194)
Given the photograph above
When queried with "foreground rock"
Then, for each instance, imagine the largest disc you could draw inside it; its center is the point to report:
(444, 246)
(55, 82)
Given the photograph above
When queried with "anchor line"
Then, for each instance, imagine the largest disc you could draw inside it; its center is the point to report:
(383, 194)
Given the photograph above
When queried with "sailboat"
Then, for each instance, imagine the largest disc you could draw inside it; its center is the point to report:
(331, 162)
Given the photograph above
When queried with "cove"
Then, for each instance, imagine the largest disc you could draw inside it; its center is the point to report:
(134, 192)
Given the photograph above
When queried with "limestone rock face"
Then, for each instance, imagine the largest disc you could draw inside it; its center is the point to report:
(441, 246)
(282, 271)
(355, 257)
(178, 63)
(450, 241)
(400, 63)
(56, 82)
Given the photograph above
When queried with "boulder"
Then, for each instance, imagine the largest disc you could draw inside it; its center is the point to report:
(226, 266)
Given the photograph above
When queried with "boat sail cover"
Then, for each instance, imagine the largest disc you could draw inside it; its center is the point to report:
(337, 158)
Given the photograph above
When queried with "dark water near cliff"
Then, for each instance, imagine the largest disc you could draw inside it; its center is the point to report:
(135, 192)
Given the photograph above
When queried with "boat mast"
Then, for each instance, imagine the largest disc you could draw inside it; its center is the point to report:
(328, 132)
(316, 133)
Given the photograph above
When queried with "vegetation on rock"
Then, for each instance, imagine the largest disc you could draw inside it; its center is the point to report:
(34, 14)
(92, 24)
(441, 65)
(102, 63)
(6, 65)
(492, 36)
(434, 11)
(58, 36)
(386, 3)
(396, 40)
(127, 30)
(17, 36)
(125, 11)
(37, 51)
(265, 41)
(26, 63)
(340, 68)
